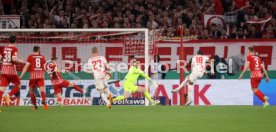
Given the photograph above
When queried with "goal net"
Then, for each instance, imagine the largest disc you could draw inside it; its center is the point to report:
(73, 49)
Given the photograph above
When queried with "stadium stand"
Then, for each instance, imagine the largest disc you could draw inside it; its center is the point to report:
(165, 14)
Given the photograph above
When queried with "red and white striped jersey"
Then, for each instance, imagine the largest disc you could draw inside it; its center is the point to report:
(8, 67)
(256, 74)
(37, 63)
(56, 76)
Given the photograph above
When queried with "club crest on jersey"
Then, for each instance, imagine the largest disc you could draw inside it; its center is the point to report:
(50, 66)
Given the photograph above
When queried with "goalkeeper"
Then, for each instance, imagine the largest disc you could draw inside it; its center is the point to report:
(129, 84)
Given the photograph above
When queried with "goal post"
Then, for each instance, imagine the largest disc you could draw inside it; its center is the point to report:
(182, 72)
(74, 46)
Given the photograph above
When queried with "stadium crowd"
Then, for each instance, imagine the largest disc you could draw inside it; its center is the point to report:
(165, 14)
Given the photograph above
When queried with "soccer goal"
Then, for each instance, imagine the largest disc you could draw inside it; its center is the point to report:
(73, 47)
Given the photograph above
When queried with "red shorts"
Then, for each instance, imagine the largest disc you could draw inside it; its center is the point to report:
(255, 82)
(7, 79)
(36, 82)
(58, 87)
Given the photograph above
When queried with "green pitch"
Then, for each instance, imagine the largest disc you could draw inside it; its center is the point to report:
(139, 119)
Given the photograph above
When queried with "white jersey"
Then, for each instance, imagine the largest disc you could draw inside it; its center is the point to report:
(98, 66)
(199, 63)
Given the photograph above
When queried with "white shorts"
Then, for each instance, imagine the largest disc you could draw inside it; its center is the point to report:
(195, 75)
(101, 84)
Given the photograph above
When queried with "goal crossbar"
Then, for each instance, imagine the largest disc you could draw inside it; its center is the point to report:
(126, 30)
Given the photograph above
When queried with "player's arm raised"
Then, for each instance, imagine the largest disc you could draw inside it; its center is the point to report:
(265, 72)
(246, 66)
(139, 71)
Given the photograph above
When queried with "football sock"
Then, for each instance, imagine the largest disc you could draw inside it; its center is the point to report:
(190, 91)
(147, 95)
(182, 84)
(1, 95)
(59, 99)
(43, 96)
(107, 91)
(33, 98)
(260, 95)
(76, 87)
(14, 90)
(105, 99)
(119, 98)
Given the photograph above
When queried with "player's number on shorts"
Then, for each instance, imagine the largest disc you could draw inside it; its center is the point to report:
(37, 63)
(199, 59)
(7, 56)
(94, 63)
(256, 62)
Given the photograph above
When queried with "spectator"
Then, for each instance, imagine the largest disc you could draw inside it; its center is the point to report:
(187, 33)
(269, 32)
(7, 6)
(170, 32)
(117, 25)
(94, 24)
(205, 35)
(215, 33)
(224, 34)
(63, 23)
(240, 6)
(254, 33)
(227, 5)
(153, 24)
(234, 34)
(240, 34)
(218, 7)
(199, 30)
(245, 33)
(1, 9)
(60, 19)
(139, 14)
(73, 25)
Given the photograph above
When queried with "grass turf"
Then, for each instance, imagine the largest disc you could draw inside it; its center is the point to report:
(139, 119)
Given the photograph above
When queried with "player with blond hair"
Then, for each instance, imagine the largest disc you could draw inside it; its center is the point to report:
(100, 69)
(256, 67)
